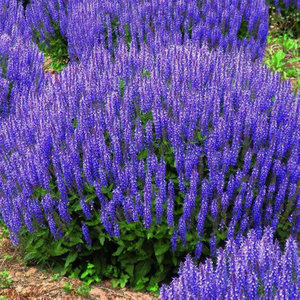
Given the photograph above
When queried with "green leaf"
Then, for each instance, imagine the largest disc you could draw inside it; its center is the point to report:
(174, 260)
(119, 251)
(221, 235)
(129, 237)
(143, 154)
(129, 270)
(89, 188)
(76, 238)
(86, 273)
(149, 235)
(107, 189)
(95, 221)
(70, 258)
(90, 266)
(102, 239)
(161, 247)
(121, 281)
(39, 243)
(59, 250)
(153, 288)
(75, 273)
(160, 258)
(142, 268)
(141, 283)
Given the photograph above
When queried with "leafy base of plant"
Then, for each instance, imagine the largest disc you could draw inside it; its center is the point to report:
(139, 258)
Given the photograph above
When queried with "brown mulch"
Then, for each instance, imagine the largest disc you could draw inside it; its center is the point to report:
(36, 283)
(47, 67)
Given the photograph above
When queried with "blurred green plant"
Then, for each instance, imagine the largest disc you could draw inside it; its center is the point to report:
(285, 19)
(5, 279)
(56, 49)
(4, 233)
(282, 55)
(68, 288)
(82, 290)
(55, 277)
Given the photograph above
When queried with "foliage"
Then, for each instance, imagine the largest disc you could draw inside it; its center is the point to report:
(68, 287)
(82, 290)
(4, 230)
(283, 56)
(139, 257)
(5, 279)
(84, 24)
(285, 17)
(55, 277)
(135, 180)
(56, 49)
(46, 21)
(150, 145)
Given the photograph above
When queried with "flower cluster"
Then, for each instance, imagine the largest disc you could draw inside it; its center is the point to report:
(217, 130)
(20, 60)
(250, 268)
(164, 116)
(12, 20)
(46, 18)
(230, 23)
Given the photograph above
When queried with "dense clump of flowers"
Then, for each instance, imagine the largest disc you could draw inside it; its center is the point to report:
(12, 20)
(20, 73)
(211, 133)
(159, 23)
(21, 63)
(251, 268)
(47, 18)
(229, 24)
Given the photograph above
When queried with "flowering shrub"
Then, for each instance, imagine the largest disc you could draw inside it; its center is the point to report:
(47, 18)
(20, 61)
(164, 136)
(252, 268)
(12, 21)
(21, 70)
(83, 24)
(213, 146)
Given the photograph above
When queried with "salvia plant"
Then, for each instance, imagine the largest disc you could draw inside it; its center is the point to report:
(47, 19)
(207, 140)
(164, 123)
(12, 20)
(251, 268)
(83, 24)
(21, 63)
(20, 72)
